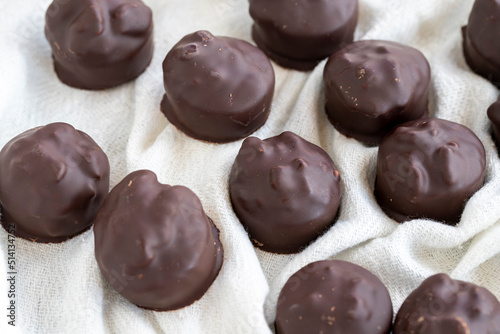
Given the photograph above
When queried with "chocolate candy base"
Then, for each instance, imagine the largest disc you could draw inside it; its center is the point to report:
(494, 116)
(299, 65)
(10, 226)
(477, 63)
(218, 265)
(368, 140)
(384, 203)
(101, 78)
(266, 247)
(167, 110)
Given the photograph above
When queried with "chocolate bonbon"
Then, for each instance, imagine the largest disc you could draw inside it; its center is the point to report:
(52, 181)
(444, 305)
(334, 297)
(285, 191)
(429, 168)
(372, 86)
(299, 34)
(217, 89)
(98, 44)
(494, 116)
(154, 243)
(480, 39)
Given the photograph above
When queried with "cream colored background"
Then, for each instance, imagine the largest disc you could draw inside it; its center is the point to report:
(60, 289)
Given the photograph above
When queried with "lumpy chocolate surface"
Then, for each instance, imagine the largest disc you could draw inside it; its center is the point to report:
(98, 44)
(217, 89)
(441, 305)
(285, 191)
(154, 243)
(52, 181)
(334, 297)
(480, 39)
(372, 86)
(429, 168)
(299, 34)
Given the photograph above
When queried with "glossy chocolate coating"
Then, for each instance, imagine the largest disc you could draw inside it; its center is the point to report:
(52, 181)
(334, 297)
(218, 89)
(480, 39)
(441, 305)
(372, 86)
(98, 44)
(299, 34)
(494, 116)
(285, 191)
(154, 243)
(429, 168)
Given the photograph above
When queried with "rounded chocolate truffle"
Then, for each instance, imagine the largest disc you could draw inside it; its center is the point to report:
(372, 86)
(285, 191)
(53, 180)
(480, 40)
(429, 168)
(334, 297)
(299, 34)
(98, 44)
(444, 305)
(154, 243)
(494, 116)
(218, 89)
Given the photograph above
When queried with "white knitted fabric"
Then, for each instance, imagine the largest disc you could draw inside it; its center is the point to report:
(59, 288)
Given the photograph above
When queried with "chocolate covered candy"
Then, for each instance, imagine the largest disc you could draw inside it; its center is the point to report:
(154, 243)
(299, 34)
(494, 116)
(372, 86)
(52, 181)
(217, 89)
(98, 44)
(480, 39)
(441, 305)
(285, 191)
(334, 297)
(429, 168)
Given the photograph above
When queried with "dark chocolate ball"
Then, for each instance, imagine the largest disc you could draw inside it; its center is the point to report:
(480, 39)
(441, 305)
(154, 243)
(335, 297)
(98, 44)
(52, 181)
(299, 34)
(429, 168)
(372, 86)
(285, 191)
(218, 89)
